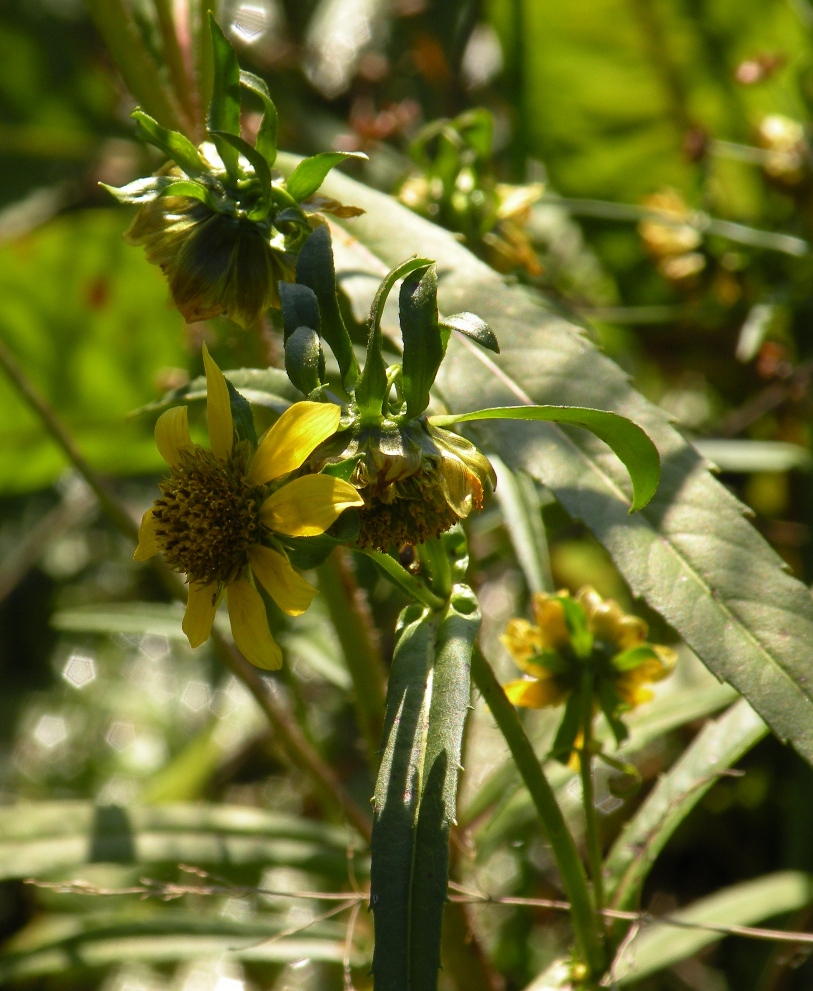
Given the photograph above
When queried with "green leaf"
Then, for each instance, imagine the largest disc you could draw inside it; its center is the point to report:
(423, 344)
(716, 748)
(224, 110)
(690, 553)
(107, 939)
(157, 618)
(140, 190)
(42, 838)
(416, 791)
(371, 390)
(172, 143)
(300, 308)
(309, 175)
(473, 327)
(661, 945)
(521, 509)
(261, 386)
(266, 143)
(304, 360)
(193, 190)
(315, 268)
(242, 416)
(309, 552)
(629, 442)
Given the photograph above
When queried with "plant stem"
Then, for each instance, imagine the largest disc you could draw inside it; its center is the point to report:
(353, 623)
(175, 61)
(120, 33)
(402, 579)
(434, 558)
(574, 881)
(588, 800)
(291, 736)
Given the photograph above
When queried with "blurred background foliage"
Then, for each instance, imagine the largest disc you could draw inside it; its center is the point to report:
(616, 109)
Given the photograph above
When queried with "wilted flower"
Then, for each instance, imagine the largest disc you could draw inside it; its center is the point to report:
(586, 634)
(221, 511)
(416, 480)
(222, 225)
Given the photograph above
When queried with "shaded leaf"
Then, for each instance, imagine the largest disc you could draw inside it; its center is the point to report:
(309, 175)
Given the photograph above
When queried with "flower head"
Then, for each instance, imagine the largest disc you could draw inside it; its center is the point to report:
(416, 480)
(584, 635)
(223, 509)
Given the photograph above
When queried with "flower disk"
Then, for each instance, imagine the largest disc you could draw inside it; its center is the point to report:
(208, 515)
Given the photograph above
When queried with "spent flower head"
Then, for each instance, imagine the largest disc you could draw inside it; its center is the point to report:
(223, 226)
(223, 511)
(580, 644)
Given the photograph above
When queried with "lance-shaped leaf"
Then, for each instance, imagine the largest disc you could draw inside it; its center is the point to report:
(266, 143)
(473, 327)
(300, 308)
(416, 791)
(304, 360)
(690, 553)
(172, 143)
(372, 388)
(637, 452)
(315, 269)
(309, 175)
(224, 110)
(716, 748)
(424, 346)
(142, 190)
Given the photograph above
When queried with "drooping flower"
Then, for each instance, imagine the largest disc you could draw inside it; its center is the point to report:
(223, 509)
(573, 636)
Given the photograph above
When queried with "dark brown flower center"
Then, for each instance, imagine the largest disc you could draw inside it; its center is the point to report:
(208, 516)
(408, 512)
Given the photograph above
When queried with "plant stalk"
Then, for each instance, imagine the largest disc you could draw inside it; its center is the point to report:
(574, 880)
(588, 799)
(350, 613)
(175, 61)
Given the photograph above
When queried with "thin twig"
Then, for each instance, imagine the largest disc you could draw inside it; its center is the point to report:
(166, 891)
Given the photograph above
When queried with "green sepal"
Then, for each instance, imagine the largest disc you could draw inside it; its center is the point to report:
(309, 175)
(305, 553)
(241, 415)
(627, 440)
(315, 268)
(611, 705)
(472, 327)
(424, 346)
(569, 727)
(267, 133)
(581, 638)
(140, 190)
(373, 387)
(341, 469)
(304, 359)
(223, 140)
(224, 110)
(628, 660)
(172, 143)
(192, 190)
(416, 791)
(300, 308)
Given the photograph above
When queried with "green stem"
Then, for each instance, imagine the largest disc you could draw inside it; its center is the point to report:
(120, 32)
(291, 736)
(433, 556)
(588, 798)
(354, 627)
(174, 59)
(402, 579)
(574, 881)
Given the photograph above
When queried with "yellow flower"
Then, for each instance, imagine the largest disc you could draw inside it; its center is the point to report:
(222, 509)
(588, 633)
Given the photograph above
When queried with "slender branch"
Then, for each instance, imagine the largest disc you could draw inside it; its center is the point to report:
(564, 849)
(402, 579)
(588, 799)
(120, 33)
(291, 736)
(354, 627)
(174, 59)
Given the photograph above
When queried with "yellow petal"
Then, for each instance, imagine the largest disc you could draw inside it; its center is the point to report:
(286, 587)
(147, 544)
(172, 434)
(550, 618)
(300, 429)
(523, 641)
(218, 409)
(249, 626)
(307, 506)
(535, 694)
(201, 607)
